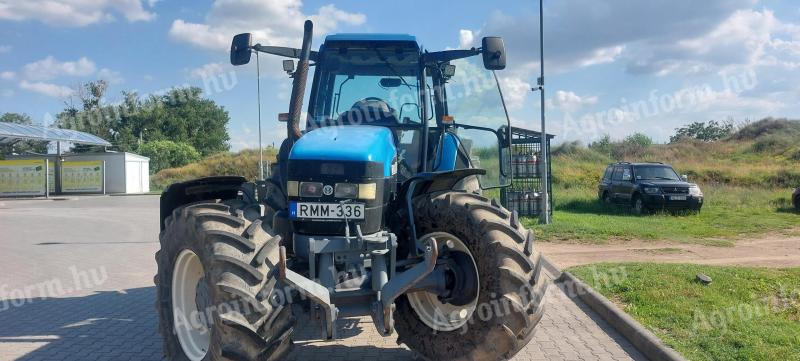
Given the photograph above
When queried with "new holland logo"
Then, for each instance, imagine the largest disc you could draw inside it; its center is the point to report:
(327, 190)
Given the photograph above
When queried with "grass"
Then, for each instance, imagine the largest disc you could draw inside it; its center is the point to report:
(729, 213)
(744, 314)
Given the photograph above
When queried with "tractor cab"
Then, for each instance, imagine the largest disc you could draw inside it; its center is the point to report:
(388, 80)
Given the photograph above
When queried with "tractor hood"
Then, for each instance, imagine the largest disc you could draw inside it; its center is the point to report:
(352, 143)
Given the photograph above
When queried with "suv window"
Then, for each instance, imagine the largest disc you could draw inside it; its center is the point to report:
(656, 172)
(607, 174)
(617, 174)
(626, 174)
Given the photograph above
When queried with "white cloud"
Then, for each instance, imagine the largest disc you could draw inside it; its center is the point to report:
(111, 76)
(272, 22)
(48, 89)
(6, 93)
(606, 31)
(569, 102)
(515, 91)
(466, 39)
(38, 76)
(5, 48)
(50, 68)
(745, 38)
(75, 13)
(601, 56)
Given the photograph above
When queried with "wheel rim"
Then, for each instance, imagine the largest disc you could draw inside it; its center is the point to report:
(434, 313)
(638, 206)
(193, 334)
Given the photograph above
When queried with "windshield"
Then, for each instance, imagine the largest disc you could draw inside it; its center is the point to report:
(384, 79)
(656, 173)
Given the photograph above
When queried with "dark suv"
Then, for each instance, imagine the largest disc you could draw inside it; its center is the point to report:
(648, 186)
(796, 198)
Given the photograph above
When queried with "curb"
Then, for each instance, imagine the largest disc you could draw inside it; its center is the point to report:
(645, 341)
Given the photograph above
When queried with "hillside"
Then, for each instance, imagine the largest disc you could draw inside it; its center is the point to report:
(762, 154)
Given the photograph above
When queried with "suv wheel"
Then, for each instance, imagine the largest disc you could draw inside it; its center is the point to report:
(638, 206)
(606, 198)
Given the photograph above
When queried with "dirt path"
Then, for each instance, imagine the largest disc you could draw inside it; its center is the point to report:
(767, 251)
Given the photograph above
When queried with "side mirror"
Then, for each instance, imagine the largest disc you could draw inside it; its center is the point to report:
(240, 48)
(494, 53)
(685, 178)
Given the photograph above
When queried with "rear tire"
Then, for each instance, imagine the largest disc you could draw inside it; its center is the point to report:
(239, 303)
(511, 291)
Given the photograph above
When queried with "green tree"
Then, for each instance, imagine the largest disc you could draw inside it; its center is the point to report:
(707, 132)
(168, 154)
(181, 115)
(22, 146)
(638, 140)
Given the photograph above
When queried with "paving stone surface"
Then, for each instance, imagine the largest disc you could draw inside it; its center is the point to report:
(76, 284)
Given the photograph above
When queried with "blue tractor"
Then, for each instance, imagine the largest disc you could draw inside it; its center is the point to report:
(380, 206)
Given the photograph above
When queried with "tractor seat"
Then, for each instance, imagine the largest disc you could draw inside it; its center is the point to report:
(370, 111)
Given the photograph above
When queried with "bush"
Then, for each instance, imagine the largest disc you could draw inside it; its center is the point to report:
(774, 143)
(709, 132)
(165, 154)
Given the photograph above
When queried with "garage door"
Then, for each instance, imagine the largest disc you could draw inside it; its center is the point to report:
(133, 177)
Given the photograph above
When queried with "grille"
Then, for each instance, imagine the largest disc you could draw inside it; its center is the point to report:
(675, 190)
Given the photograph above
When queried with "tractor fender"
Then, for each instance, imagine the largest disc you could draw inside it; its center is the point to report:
(196, 190)
(433, 182)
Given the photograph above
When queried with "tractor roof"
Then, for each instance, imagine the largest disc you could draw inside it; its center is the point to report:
(371, 37)
(370, 40)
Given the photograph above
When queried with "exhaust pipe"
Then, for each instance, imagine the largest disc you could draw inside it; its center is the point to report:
(299, 85)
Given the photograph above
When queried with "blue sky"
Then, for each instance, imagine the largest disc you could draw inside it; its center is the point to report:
(613, 66)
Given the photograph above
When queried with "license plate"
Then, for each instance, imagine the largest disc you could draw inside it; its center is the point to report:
(678, 198)
(311, 210)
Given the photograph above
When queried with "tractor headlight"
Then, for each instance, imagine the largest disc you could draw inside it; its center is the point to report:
(346, 190)
(366, 191)
(310, 189)
(652, 190)
(695, 191)
(292, 188)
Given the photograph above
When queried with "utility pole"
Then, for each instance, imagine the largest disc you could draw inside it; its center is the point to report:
(544, 216)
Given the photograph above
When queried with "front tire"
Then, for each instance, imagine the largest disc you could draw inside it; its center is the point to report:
(218, 295)
(637, 206)
(510, 290)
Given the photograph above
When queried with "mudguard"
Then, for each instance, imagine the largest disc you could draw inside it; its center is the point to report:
(432, 182)
(196, 190)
